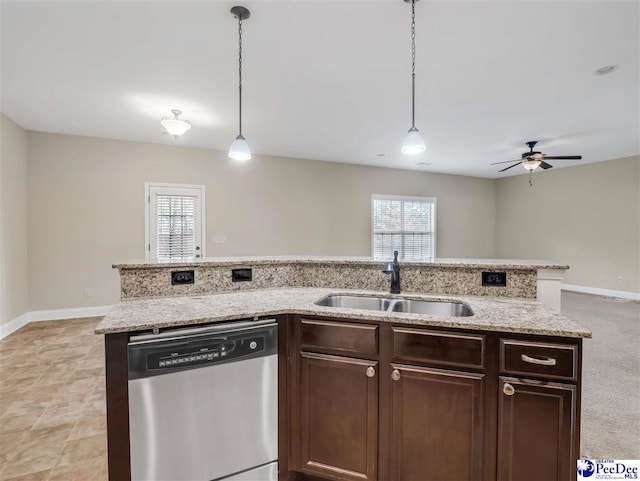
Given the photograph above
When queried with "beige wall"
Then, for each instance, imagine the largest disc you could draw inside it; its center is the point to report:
(86, 209)
(13, 220)
(587, 216)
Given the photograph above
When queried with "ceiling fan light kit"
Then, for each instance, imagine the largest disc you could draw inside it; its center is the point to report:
(413, 142)
(531, 164)
(175, 126)
(239, 149)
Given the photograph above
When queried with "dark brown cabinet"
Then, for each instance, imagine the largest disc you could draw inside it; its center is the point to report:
(333, 399)
(376, 401)
(536, 423)
(339, 416)
(436, 424)
(538, 416)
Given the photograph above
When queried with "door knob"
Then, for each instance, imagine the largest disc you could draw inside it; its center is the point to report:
(395, 375)
(371, 371)
(508, 389)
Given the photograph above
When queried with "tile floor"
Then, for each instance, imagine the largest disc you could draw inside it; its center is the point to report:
(52, 403)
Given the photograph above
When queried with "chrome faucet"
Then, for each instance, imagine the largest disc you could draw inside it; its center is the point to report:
(393, 268)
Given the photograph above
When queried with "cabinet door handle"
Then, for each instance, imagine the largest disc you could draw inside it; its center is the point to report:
(395, 375)
(371, 371)
(508, 389)
(547, 361)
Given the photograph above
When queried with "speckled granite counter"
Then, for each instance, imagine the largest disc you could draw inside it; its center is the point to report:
(354, 260)
(139, 279)
(490, 314)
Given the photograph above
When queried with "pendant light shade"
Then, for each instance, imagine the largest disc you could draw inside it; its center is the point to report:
(239, 149)
(175, 126)
(413, 143)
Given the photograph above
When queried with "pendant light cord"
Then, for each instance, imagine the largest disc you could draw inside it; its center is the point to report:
(240, 73)
(413, 64)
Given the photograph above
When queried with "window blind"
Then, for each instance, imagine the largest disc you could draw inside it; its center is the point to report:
(175, 227)
(406, 225)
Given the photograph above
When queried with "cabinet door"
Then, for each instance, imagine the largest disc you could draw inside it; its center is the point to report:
(338, 417)
(536, 430)
(437, 424)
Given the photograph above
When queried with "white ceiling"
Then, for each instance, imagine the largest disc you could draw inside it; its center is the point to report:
(330, 80)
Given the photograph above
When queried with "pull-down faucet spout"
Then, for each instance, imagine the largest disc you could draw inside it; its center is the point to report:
(393, 268)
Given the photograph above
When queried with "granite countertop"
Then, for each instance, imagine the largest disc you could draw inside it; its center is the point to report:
(490, 314)
(362, 261)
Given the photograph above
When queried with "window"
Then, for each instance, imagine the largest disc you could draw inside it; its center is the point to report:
(174, 222)
(403, 224)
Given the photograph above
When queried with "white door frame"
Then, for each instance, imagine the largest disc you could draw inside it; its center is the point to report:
(176, 191)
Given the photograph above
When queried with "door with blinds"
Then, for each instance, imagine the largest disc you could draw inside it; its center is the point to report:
(175, 230)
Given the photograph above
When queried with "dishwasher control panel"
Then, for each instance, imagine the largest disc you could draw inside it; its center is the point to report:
(184, 349)
(205, 353)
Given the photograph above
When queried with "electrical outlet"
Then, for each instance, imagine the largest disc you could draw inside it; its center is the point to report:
(88, 292)
(182, 277)
(241, 275)
(494, 279)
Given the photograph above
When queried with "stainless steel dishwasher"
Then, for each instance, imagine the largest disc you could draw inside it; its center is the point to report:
(203, 403)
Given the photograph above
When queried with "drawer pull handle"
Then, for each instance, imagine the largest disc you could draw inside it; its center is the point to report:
(395, 375)
(508, 389)
(371, 372)
(549, 361)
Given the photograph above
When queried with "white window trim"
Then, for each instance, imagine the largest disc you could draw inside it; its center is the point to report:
(147, 213)
(409, 198)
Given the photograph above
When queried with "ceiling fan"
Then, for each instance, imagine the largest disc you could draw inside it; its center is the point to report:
(533, 159)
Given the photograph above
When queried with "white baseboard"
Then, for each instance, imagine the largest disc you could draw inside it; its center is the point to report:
(13, 325)
(51, 315)
(634, 296)
(71, 313)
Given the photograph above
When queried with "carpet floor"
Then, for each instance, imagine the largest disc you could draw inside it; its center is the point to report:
(611, 375)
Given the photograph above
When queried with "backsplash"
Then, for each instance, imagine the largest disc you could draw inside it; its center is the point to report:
(146, 282)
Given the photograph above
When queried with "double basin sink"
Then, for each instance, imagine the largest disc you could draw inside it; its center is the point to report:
(384, 304)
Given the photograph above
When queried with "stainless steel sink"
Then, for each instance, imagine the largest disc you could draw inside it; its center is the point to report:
(433, 308)
(374, 303)
(356, 302)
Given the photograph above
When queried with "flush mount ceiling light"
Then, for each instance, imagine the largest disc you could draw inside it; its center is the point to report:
(239, 149)
(175, 126)
(413, 143)
(605, 70)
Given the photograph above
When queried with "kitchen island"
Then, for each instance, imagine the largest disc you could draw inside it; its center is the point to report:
(381, 395)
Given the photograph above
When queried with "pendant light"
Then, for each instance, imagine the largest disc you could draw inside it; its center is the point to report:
(175, 126)
(239, 149)
(413, 143)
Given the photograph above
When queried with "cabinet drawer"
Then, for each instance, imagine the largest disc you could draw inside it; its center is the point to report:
(438, 348)
(339, 337)
(555, 361)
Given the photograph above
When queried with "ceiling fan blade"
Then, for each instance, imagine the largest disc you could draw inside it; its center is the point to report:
(506, 161)
(564, 157)
(544, 165)
(510, 167)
